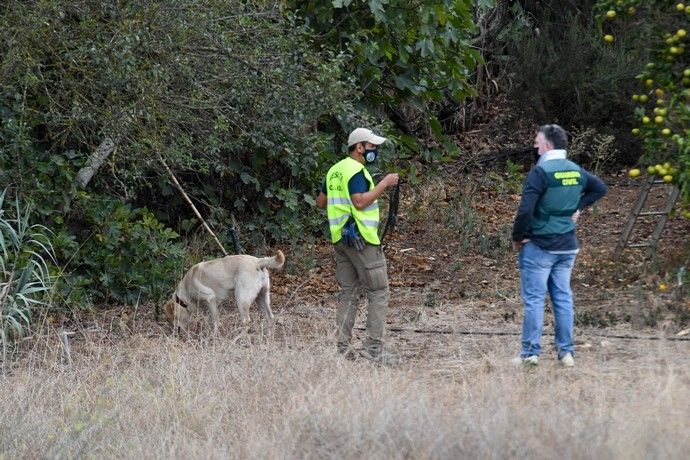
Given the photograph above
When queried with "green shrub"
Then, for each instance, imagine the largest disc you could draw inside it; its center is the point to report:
(26, 262)
(125, 254)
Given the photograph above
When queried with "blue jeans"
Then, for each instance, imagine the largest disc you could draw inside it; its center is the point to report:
(541, 271)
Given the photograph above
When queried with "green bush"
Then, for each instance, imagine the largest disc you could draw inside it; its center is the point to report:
(124, 255)
(26, 262)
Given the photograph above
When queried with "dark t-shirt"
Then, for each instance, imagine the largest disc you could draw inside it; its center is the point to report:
(358, 184)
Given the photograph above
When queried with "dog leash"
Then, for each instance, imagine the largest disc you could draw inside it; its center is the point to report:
(392, 219)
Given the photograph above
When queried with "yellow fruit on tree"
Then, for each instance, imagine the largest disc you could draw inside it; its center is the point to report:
(666, 165)
(660, 102)
(666, 176)
(686, 73)
(634, 172)
(608, 38)
(635, 97)
(658, 119)
(659, 92)
(610, 14)
(635, 131)
(651, 170)
(680, 7)
(662, 112)
(645, 120)
(644, 98)
(632, 10)
(649, 82)
(666, 132)
(662, 287)
(681, 33)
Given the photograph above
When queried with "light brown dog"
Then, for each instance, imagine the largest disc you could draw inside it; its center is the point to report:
(210, 283)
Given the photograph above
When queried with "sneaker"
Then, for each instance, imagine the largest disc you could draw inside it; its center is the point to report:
(567, 360)
(526, 361)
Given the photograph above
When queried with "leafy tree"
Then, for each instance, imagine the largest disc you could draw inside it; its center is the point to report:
(402, 51)
(410, 59)
(663, 89)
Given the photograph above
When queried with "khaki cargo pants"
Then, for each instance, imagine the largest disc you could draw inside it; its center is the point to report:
(365, 270)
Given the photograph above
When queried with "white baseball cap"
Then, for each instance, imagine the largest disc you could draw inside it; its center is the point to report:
(364, 135)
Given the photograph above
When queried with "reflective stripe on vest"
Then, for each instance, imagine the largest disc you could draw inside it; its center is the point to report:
(553, 214)
(340, 207)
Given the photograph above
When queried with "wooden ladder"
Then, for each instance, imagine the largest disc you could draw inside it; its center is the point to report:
(637, 212)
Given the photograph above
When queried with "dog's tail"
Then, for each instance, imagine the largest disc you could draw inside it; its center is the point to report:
(276, 261)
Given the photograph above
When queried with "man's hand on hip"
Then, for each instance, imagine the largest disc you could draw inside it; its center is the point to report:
(517, 245)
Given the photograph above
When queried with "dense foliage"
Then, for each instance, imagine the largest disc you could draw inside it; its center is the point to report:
(401, 50)
(662, 92)
(227, 92)
(411, 60)
(561, 71)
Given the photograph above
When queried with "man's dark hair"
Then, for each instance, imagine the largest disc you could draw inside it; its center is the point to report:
(556, 135)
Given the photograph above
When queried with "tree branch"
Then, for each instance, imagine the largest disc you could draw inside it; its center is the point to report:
(86, 173)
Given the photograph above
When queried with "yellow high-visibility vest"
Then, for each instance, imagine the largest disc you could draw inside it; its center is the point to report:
(340, 207)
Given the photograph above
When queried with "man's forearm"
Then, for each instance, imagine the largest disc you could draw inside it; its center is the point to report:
(366, 199)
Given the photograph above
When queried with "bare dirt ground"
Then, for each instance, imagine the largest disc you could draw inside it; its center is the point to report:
(451, 270)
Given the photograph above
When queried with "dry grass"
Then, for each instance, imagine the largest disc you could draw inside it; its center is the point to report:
(287, 395)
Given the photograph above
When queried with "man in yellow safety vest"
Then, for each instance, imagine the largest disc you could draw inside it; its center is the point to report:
(350, 198)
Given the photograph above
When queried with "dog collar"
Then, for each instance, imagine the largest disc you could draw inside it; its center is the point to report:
(179, 301)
